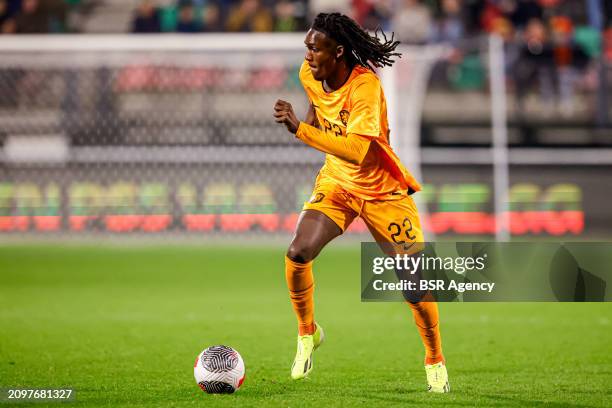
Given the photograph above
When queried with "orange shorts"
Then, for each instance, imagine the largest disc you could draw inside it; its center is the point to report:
(390, 221)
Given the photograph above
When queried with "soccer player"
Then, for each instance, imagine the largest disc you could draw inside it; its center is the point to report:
(362, 176)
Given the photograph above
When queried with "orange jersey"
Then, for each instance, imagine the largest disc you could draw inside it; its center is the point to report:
(359, 107)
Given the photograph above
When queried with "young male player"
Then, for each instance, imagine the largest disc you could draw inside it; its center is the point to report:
(362, 176)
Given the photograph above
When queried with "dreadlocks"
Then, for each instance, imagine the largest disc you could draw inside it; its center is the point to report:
(360, 47)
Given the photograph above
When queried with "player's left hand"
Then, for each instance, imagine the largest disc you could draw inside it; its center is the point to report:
(283, 113)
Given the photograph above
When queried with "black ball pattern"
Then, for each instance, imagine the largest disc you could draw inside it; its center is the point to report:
(219, 359)
(216, 387)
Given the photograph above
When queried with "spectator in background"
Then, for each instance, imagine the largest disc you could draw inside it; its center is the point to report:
(488, 14)
(187, 22)
(211, 18)
(146, 18)
(570, 60)
(249, 16)
(284, 16)
(412, 22)
(535, 63)
(7, 23)
(32, 18)
(518, 12)
(373, 14)
(11, 7)
(504, 28)
(448, 27)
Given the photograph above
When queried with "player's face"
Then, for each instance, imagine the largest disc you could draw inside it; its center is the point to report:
(321, 54)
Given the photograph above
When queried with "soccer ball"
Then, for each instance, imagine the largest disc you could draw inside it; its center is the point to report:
(219, 370)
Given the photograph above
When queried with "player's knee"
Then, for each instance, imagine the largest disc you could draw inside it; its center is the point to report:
(300, 252)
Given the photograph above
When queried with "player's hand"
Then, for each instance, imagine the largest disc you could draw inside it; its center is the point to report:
(283, 113)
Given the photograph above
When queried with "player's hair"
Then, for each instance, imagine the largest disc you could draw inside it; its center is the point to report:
(360, 47)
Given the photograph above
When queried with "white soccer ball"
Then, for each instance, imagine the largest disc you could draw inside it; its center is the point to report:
(219, 370)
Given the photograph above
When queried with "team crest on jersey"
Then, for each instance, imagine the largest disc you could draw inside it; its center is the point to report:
(344, 116)
(317, 198)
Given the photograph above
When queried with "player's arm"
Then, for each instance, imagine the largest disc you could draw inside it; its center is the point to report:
(352, 148)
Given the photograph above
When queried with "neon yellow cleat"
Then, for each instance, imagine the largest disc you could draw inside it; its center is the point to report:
(437, 378)
(306, 345)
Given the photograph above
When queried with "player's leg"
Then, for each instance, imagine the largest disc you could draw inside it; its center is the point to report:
(314, 230)
(397, 222)
(324, 217)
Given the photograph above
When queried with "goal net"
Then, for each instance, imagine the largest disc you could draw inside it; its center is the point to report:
(162, 135)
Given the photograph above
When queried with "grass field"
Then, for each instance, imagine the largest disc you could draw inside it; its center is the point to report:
(122, 326)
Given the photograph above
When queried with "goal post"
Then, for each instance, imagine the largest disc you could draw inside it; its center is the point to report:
(407, 85)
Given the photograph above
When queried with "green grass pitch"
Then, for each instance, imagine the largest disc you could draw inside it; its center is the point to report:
(123, 326)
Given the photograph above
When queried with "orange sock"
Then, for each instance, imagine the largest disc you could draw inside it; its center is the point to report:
(426, 319)
(300, 282)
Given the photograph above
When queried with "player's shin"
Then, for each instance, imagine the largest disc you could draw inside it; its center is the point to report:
(300, 282)
(427, 322)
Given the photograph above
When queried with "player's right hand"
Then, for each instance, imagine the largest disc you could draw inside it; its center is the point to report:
(283, 113)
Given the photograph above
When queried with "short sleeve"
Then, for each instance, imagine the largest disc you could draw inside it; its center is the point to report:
(364, 116)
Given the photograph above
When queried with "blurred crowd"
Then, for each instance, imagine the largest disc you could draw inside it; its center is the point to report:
(193, 16)
(414, 21)
(34, 16)
(550, 44)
